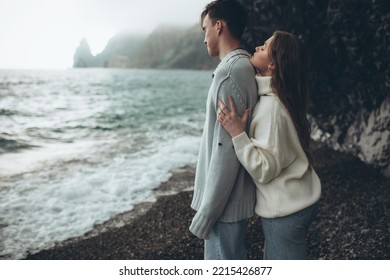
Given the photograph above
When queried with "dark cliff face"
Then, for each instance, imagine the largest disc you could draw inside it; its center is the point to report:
(348, 43)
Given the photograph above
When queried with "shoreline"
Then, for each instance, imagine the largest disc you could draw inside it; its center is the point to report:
(352, 222)
(180, 181)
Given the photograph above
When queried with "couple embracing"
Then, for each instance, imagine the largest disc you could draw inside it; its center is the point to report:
(254, 156)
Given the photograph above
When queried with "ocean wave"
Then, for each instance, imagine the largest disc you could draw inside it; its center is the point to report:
(10, 114)
(8, 145)
(5, 112)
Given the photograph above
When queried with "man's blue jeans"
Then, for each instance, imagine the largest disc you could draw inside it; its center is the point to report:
(285, 237)
(227, 242)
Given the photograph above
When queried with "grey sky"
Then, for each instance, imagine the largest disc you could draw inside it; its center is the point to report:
(45, 33)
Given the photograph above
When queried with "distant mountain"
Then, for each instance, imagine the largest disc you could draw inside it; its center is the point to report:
(166, 47)
(119, 51)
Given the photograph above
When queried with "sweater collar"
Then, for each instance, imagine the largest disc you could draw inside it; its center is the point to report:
(231, 55)
(264, 85)
(234, 53)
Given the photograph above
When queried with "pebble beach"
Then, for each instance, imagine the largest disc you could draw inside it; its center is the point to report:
(352, 223)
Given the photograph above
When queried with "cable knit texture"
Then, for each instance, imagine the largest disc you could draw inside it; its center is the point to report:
(273, 156)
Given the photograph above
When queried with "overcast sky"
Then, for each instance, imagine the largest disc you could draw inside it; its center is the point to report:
(45, 33)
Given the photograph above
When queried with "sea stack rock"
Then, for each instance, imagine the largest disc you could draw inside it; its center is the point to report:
(83, 56)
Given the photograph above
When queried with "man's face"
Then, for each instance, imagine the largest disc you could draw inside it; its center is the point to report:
(210, 36)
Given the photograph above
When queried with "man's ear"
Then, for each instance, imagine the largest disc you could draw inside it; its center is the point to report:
(219, 26)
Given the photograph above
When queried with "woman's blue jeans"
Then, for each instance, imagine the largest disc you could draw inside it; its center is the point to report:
(285, 237)
(227, 242)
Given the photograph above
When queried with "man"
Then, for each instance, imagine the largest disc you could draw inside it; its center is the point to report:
(224, 193)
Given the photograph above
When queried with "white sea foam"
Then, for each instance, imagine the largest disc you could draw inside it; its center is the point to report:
(70, 204)
(13, 164)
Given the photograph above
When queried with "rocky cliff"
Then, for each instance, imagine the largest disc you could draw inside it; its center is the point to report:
(348, 41)
(169, 47)
(166, 47)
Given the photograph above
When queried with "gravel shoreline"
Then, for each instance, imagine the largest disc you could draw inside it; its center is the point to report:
(353, 220)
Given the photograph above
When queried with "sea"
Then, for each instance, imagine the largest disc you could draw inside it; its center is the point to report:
(80, 146)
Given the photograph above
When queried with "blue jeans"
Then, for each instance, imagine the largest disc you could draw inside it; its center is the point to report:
(227, 242)
(285, 237)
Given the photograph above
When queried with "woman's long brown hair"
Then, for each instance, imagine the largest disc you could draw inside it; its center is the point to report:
(290, 82)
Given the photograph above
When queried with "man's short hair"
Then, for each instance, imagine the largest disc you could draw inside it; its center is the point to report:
(230, 11)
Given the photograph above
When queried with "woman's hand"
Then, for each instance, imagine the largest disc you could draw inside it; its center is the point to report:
(231, 121)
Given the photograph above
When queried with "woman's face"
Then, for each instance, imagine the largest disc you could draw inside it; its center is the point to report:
(261, 59)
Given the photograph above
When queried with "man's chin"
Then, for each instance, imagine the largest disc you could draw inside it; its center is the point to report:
(210, 52)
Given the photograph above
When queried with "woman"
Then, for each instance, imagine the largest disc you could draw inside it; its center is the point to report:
(276, 152)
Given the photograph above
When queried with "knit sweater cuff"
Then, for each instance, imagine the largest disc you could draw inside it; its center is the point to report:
(201, 226)
(240, 141)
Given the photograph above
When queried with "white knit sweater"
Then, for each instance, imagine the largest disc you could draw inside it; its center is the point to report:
(273, 156)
